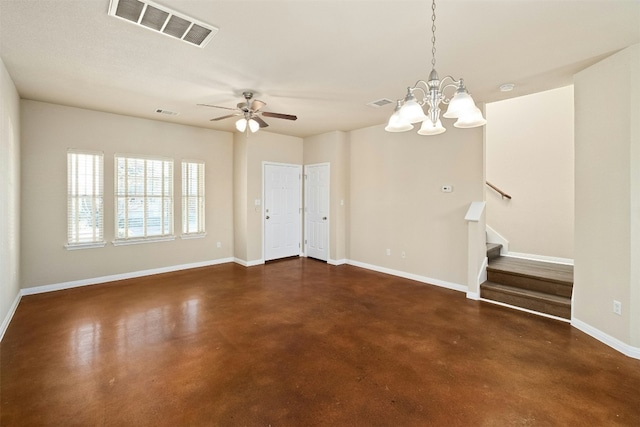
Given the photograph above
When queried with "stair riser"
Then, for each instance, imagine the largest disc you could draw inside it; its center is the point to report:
(563, 311)
(531, 283)
(493, 253)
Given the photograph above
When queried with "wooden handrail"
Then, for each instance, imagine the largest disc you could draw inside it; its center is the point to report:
(499, 191)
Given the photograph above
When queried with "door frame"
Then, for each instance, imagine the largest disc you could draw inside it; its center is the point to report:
(300, 207)
(304, 209)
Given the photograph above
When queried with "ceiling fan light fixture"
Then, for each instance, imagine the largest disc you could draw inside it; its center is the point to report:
(253, 125)
(251, 114)
(241, 125)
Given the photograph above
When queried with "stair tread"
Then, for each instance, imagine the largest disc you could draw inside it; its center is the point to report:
(554, 299)
(559, 273)
(493, 246)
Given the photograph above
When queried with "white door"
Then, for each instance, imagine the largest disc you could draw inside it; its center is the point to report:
(282, 210)
(316, 190)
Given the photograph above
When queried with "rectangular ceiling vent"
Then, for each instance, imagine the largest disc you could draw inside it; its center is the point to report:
(166, 112)
(380, 103)
(163, 20)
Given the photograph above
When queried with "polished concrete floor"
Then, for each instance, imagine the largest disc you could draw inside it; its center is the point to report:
(301, 343)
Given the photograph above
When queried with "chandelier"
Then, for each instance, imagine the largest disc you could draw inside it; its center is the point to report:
(410, 109)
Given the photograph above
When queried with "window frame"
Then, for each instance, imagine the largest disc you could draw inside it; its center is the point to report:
(166, 197)
(95, 196)
(199, 197)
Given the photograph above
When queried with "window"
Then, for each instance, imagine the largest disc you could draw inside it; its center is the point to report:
(192, 199)
(85, 228)
(144, 199)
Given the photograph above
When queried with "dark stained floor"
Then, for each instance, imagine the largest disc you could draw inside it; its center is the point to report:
(301, 343)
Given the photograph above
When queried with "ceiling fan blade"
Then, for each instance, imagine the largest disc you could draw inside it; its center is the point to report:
(256, 105)
(261, 122)
(279, 115)
(225, 117)
(217, 106)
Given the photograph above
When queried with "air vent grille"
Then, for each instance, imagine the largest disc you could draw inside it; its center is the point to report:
(163, 20)
(166, 112)
(176, 27)
(130, 10)
(154, 18)
(380, 103)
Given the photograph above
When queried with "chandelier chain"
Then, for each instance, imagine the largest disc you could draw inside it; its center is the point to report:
(433, 34)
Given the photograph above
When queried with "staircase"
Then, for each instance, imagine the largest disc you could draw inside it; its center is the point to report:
(539, 286)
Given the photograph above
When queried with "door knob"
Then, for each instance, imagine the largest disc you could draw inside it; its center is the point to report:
(324, 218)
(267, 216)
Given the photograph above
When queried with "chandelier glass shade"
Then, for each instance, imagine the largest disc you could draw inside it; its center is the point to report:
(461, 106)
(396, 124)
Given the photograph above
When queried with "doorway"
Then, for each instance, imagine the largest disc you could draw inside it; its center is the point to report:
(282, 216)
(316, 206)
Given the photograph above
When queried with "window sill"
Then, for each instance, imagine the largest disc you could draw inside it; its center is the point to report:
(124, 242)
(76, 246)
(193, 236)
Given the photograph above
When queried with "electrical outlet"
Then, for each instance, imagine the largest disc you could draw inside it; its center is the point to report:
(617, 307)
(219, 244)
(388, 251)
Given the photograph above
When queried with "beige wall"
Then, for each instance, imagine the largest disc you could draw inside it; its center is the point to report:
(607, 198)
(48, 130)
(529, 143)
(333, 148)
(258, 148)
(9, 194)
(240, 201)
(397, 202)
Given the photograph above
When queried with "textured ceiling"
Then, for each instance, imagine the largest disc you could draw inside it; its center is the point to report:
(319, 59)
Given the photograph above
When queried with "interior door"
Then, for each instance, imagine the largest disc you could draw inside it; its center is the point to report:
(282, 210)
(316, 190)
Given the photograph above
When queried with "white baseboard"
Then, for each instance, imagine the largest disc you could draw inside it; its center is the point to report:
(612, 342)
(616, 344)
(337, 261)
(473, 295)
(526, 310)
(104, 279)
(245, 263)
(9, 316)
(410, 276)
(533, 257)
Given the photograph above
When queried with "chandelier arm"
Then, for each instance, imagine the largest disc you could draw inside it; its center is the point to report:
(424, 92)
(453, 81)
(423, 82)
(446, 100)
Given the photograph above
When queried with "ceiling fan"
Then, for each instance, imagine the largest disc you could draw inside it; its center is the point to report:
(251, 113)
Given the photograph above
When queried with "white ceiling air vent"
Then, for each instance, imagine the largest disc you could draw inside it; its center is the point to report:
(161, 19)
(380, 103)
(166, 112)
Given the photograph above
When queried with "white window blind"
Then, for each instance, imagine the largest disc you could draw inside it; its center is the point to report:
(144, 199)
(193, 198)
(85, 192)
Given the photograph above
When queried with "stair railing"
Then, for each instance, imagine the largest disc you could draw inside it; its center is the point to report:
(499, 191)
